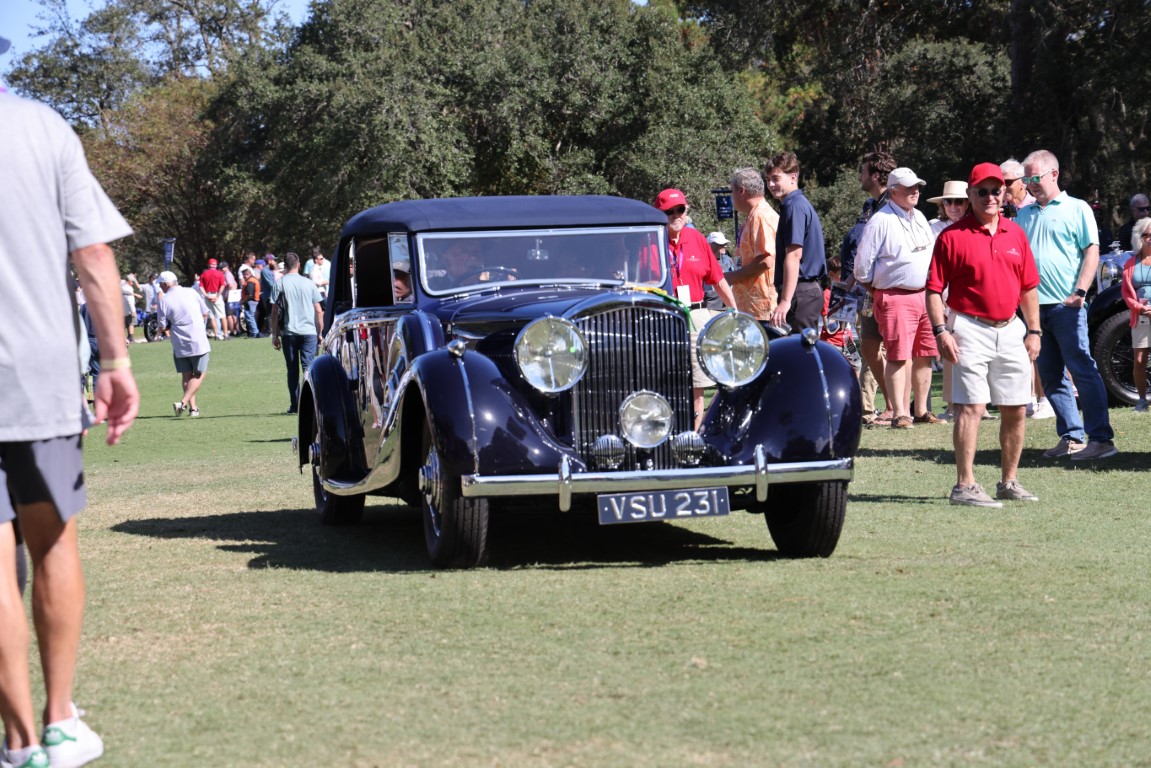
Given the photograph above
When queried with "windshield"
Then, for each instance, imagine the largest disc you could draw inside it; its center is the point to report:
(454, 261)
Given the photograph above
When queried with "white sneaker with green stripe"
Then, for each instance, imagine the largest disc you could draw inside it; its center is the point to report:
(32, 757)
(70, 743)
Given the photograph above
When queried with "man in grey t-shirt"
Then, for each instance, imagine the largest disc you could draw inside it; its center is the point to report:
(184, 312)
(297, 334)
(51, 208)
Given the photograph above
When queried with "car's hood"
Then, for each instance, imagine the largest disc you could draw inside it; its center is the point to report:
(484, 314)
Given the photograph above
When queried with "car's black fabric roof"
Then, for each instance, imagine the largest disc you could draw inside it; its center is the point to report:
(477, 213)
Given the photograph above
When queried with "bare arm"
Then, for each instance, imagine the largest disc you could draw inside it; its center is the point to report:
(757, 266)
(319, 319)
(1086, 275)
(937, 315)
(790, 280)
(117, 399)
(1029, 303)
(723, 288)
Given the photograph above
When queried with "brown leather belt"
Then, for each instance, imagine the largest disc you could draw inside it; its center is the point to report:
(991, 323)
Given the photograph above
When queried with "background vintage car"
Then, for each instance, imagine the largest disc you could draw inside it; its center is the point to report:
(1108, 329)
(521, 353)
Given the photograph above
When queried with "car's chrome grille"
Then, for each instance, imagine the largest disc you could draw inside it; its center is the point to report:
(632, 349)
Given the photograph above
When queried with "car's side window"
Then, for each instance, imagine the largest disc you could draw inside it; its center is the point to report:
(401, 267)
(372, 275)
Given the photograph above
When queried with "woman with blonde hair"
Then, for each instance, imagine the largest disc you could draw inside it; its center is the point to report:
(1137, 294)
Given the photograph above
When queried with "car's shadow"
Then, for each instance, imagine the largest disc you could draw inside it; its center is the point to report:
(390, 538)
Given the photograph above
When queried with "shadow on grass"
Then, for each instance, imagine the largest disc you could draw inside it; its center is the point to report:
(1031, 458)
(390, 538)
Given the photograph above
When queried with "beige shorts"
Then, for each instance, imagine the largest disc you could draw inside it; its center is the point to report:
(1141, 335)
(216, 308)
(699, 379)
(993, 363)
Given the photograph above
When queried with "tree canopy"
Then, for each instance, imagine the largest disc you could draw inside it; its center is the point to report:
(216, 122)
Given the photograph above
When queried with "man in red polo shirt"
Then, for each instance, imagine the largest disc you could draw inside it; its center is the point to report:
(985, 263)
(212, 284)
(692, 264)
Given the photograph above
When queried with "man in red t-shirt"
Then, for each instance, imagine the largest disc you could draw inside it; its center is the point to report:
(692, 264)
(985, 263)
(212, 284)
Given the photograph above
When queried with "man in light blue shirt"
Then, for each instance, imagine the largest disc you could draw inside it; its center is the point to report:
(1065, 240)
(297, 322)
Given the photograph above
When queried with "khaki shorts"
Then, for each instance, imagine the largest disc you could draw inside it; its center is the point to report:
(699, 379)
(993, 364)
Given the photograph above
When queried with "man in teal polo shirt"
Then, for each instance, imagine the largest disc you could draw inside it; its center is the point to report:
(1065, 240)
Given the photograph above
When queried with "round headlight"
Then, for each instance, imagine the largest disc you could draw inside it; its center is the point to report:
(645, 419)
(551, 354)
(1109, 274)
(732, 348)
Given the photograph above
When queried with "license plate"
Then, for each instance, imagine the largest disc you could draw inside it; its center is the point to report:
(662, 505)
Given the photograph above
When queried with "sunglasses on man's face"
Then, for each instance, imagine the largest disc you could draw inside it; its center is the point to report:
(992, 192)
(673, 213)
(1143, 208)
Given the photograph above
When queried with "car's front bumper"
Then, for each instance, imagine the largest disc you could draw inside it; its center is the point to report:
(564, 484)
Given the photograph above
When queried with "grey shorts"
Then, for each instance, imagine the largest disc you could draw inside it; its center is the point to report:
(43, 470)
(197, 364)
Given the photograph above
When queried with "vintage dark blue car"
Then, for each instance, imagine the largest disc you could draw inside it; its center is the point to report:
(523, 353)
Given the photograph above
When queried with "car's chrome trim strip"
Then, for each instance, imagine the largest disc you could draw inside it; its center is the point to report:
(759, 476)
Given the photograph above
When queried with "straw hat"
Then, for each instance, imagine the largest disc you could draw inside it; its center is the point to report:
(952, 190)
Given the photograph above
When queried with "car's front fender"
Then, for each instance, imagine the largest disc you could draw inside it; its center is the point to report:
(479, 423)
(806, 406)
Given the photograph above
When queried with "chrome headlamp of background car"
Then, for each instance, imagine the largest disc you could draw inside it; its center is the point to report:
(1109, 273)
(645, 419)
(733, 349)
(551, 354)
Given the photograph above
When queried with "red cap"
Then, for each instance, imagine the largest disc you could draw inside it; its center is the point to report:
(669, 199)
(211, 262)
(985, 171)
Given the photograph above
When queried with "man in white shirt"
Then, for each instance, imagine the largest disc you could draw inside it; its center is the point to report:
(892, 261)
(184, 311)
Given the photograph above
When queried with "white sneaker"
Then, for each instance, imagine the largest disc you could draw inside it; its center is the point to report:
(32, 757)
(1043, 410)
(71, 743)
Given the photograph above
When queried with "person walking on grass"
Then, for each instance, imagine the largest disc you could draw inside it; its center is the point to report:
(52, 210)
(985, 263)
(183, 311)
(297, 323)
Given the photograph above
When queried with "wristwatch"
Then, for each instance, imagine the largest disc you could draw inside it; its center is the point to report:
(1034, 332)
(1081, 293)
(938, 329)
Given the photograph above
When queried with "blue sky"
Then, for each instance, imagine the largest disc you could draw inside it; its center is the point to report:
(18, 17)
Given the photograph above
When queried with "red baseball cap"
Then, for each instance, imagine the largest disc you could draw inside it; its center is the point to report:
(669, 199)
(983, 172)
(211, 262)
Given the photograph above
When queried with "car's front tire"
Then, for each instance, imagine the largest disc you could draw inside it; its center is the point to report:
(1115, 359)
(455, 527)
(333, 509)
(806, 519)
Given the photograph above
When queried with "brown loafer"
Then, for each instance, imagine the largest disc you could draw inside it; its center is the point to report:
(902, 422)
(928, 418)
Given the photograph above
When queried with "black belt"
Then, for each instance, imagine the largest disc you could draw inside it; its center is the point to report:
(697, 305)
(809, 279)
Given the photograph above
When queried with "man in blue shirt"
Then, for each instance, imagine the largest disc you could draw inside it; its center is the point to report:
(1065, 240)
(296, 333)
(800, 260)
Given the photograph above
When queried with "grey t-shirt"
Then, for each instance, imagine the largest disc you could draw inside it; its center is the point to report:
(183, 310)
(50, 205)
(302, 295)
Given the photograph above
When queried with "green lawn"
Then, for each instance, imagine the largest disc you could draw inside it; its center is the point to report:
(226, 627)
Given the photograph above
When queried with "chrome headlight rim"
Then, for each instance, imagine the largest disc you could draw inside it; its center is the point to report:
(714, 333)
(1108, 274)
(629, 424)
(547, 378)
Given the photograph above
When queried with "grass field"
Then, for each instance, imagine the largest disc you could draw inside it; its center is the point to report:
(226, 627)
